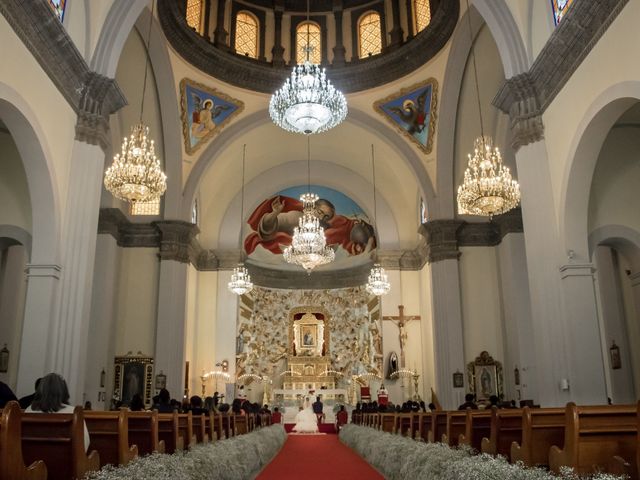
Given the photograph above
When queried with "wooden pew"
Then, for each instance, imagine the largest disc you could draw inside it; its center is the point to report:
(404, 422)
(506, 428)
(388, 422)
(594, 435)
(477, 427)
(240, 424)
(169, 432)
(109, 433)
(200, 428)
(438, 426)
(143, 432)
(456, 427)
(227, 426)
(541, 429)
(215, 426)
(58, 440)
(11, 462)
(185, 428)
(425, 425)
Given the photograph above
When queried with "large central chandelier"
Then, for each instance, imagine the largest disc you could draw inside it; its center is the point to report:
(309, 246)
(307, 102)
(135, 175)
(487, 188)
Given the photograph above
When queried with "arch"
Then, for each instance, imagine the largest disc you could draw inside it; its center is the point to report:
(15, 234)
(22, 123)
(369, 34)
(250, 29)
(421, 14)
(313, 30)
(216, 148)
(585, 149)
(621, 237)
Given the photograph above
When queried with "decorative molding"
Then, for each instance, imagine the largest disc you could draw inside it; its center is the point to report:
(176, 238)
(525, 97)
(442, 239)
(127, 234)
(266, 78)
(92, 96)
(577, 270)
(44, 270)
(635, 279)
(299, 279)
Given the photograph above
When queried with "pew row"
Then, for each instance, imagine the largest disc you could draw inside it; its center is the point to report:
(541, 429)
(109, 433)
(169, 432)
(506, 428)
(12, 465)
(143, 432)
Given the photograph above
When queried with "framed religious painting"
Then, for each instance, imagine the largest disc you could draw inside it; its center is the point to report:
(412, 111)
(133, 374)
(205, 112)
(485, 377)
(308, 334)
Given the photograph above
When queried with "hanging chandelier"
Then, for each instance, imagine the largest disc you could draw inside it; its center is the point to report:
(309, 246)
(488, 188)
(135, 174)
(377, 283)
(307, 102)
(240, 279)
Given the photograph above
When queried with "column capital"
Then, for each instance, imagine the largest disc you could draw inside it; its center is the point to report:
(442, 239)
(577, 270)
(176, 237)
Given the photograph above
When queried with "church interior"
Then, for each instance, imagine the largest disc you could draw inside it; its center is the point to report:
(393, 209)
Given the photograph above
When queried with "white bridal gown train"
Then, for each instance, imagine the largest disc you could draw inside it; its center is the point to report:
(306, 420)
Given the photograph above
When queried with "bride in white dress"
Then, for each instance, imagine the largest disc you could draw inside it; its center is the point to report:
(306, 420)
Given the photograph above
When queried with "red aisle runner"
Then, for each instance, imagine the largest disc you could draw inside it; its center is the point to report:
(318, 457)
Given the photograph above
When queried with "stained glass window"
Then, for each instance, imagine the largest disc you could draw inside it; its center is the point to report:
(194, 14)
(560, 8)
(370, 34)
(58, 7)
(246, 35)
(421, 14)
(308, 36)
(145, 208)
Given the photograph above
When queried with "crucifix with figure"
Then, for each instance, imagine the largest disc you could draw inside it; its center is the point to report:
(401, 321)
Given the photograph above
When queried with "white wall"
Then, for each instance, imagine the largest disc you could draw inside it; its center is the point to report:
(14, 191)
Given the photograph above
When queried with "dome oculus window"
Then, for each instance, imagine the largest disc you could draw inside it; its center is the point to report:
(421, 14)
(370, 34)
(246, 40)
(308, 36)
(194, 14)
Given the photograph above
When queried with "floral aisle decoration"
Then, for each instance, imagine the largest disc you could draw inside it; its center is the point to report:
(398, 458)
(237, 458)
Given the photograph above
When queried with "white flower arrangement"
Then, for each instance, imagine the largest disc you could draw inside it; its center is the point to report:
(398, 458)
(237, 458)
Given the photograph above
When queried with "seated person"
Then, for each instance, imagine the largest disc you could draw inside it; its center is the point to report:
(6, 395)
(164, 402)
(52, 396)
(468, 402)
(342, 418)
(26, 401)
(276, 416)
(383, 395)
(195, 405)
(136, 404)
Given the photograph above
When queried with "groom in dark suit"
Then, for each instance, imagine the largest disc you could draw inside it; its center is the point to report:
(317, 409)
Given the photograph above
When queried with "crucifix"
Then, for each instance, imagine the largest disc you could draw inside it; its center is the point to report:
(401, 321)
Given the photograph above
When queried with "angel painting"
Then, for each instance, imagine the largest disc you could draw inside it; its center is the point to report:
(205, 111)
(413, 112)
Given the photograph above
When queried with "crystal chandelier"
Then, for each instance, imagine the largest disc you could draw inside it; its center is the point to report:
(488, 188)
(135, 174)
(307, 102)
(377, 283)
(240, 279)
(309, 246)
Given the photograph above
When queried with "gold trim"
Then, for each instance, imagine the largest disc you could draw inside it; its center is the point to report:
(432, 112)
(119, 372)
(184, 113)
(309, 309)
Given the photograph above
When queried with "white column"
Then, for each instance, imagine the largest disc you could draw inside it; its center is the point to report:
(226, 324)
(69, 338)
(518, 328)
(447, 331)
(170, 330)
(43, 282)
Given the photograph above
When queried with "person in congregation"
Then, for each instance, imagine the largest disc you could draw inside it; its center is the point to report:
(164, 402)
(26, 400)
(276, 416)
(136, 404)
(494, 401)
(342, 418)
(52, 396)
(236, 408)
(6, 395)
(195, 405)
(468, 403)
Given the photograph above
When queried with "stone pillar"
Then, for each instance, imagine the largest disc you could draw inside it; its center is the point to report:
(396, 33)
(220, 35)
(448, 339)
(410, 28)
(338, 51)
(277, 51)
(175, 251)
(207, 19)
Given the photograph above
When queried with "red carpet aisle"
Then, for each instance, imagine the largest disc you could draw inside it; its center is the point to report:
(323, 427)
(318, 457)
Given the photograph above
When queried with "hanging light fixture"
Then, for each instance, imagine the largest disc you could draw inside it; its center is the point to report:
(135, 174)
(307, 102)
(488, 188)
(240, 279)
(377, 283)
(309, 246)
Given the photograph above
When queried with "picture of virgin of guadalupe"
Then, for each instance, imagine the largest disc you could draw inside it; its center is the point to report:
(133, 381)
(393, 364)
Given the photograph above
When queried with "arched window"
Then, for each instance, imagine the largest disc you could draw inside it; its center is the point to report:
(560, 8)
(370, 34)
(246, 40)
(194, 14)
(421, 14)
(308, 36)
(58, 7)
